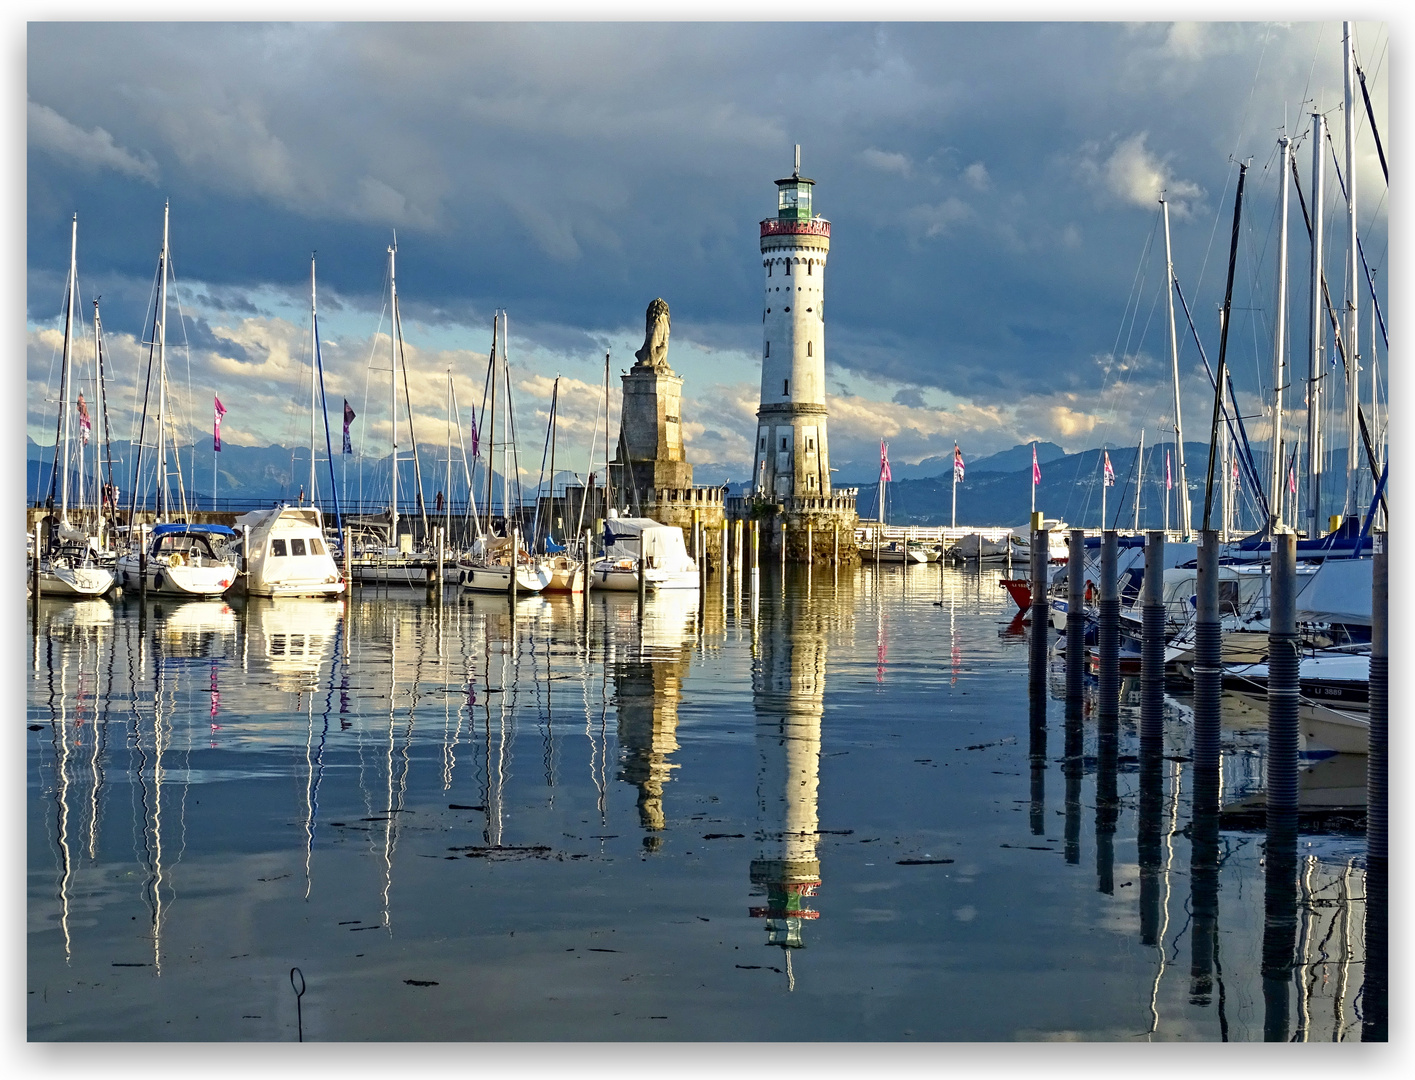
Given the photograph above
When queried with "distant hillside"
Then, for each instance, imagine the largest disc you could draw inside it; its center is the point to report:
(851, 473)
(1070, 489)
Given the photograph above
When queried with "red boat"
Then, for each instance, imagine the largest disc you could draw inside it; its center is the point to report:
(1020, 589)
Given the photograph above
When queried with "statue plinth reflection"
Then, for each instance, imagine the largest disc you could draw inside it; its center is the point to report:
(648, 685)
(788, 689)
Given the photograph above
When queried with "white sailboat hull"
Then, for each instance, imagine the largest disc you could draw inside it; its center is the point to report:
(497, 578)
(60, 580)
(167, 579)
(406, 572)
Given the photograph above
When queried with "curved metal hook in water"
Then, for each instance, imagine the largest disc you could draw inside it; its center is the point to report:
(299, 993)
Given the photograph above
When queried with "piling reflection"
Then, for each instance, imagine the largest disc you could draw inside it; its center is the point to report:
(1037, 757)
(1149, 844)
(1279, 922)
(1073, 769)
(1375, 991)
(1203, 876)
(1107, 799)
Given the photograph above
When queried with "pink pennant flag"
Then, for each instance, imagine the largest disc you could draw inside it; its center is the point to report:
(220, 412)
(1109, 472)
(1036, 469)
(884, 473)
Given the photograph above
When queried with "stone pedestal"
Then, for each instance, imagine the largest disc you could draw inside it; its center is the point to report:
(650, 451)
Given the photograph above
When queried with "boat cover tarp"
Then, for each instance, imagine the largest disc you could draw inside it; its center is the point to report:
(1339, 592)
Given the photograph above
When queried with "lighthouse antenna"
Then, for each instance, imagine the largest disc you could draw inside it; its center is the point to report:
(797, 171)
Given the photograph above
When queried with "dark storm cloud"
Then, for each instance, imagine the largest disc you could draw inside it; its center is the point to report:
(991, 186)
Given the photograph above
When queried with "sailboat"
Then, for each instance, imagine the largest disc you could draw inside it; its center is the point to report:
(567, 573)
(493, 560)
(395, 562)
(71, 564)
(284, 550)
(174, 558)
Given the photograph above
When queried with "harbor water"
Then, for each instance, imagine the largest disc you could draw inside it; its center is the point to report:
(813, 805)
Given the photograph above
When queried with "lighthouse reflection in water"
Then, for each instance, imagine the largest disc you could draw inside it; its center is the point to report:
(800, 805)
(788, 691)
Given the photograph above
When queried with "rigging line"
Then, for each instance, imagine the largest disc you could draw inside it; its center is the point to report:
(1089, 484)
(176, 450)
(549, 426)
(1231, 413)
(368, 373)
(1360, 248)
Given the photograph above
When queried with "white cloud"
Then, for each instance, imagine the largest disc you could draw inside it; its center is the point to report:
(977, 176)
(91, 149)
(887, 161)
(939, 218)
(1136, 176)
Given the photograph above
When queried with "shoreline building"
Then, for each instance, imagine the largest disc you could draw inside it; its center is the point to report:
(791, 483)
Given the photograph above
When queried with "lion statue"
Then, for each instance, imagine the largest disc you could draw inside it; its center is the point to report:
(654, 354)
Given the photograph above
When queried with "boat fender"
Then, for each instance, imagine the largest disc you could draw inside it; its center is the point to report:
(157, 580)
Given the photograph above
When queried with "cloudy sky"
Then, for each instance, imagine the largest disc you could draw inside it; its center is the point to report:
(995, 276)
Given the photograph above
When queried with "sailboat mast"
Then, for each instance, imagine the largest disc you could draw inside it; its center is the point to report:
(1185, 524)
(506, 438)
(1139, 479)
(314, 378)
(66, 375)
(447, 498)
(554, 417)
(98, 424)
(393, 385)
(1316, 331)
(162, 369)
(608, 479)
(1279, 343)
(491, 412)
(1353, 365)
(1228, 492)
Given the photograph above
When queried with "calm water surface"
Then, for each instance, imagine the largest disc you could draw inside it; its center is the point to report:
(813, 810)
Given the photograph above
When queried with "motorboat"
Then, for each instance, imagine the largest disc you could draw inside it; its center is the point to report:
(666, 562)
(285, 553)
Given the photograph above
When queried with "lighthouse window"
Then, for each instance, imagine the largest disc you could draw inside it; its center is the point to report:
(809, 348)
(768, 348)
(786, 386)
(768, 269)
(783, 443)
(788, 267)
(810, 268)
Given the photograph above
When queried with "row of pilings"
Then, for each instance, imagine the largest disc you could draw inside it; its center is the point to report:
(1281, 864)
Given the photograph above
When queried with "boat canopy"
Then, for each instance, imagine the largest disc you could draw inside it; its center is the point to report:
(1340, 592)
(170, 527)
(289, 515)
(661, 545)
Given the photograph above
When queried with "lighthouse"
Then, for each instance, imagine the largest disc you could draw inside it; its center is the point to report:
(792, 458)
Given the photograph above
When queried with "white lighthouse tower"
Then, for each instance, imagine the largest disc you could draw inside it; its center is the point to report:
(791, 453)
